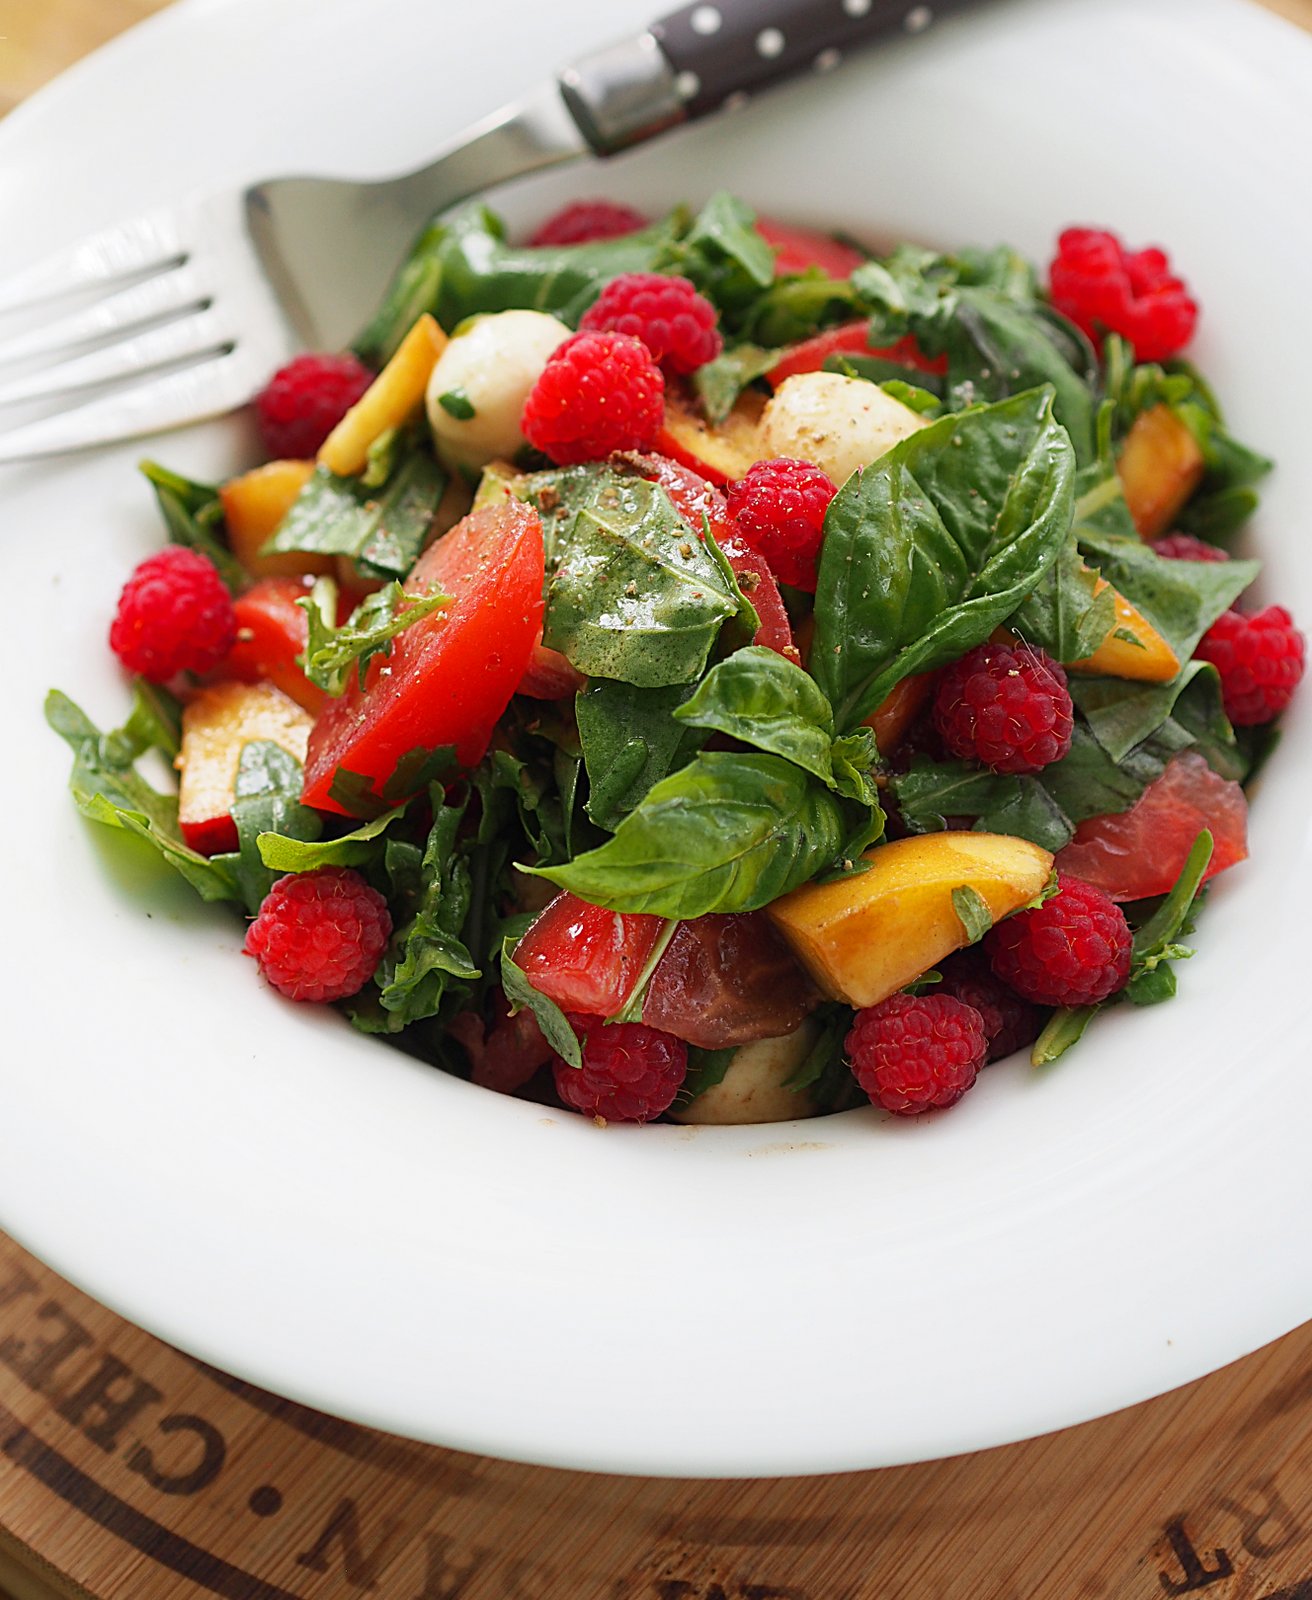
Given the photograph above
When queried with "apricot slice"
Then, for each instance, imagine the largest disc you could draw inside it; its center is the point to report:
(253, 506)
(863, 938)
(395, 393)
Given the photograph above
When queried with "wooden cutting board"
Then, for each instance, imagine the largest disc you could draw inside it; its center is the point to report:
(129, 1471)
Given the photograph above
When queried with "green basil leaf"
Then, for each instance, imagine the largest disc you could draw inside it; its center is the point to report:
(762, 699)
(1122, 713)
(706, 1068)
(930, 794)
(266, 799)
(972, 912)
(630, 742)
(1064, 615)
(551, 1019)
(1086, 782)
(635, 595)
(933, 546)
(718, 383)
(727, 833)
(193, 515)
(456, 403)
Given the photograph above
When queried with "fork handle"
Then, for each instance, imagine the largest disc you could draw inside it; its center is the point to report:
(713, 53)
(721, 50)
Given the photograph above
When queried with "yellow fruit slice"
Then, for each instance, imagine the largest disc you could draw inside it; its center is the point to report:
(253, 506)
(389, 400)
(1151, 660)
(1160, 466)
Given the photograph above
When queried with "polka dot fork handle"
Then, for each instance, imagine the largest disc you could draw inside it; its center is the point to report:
(723, 52)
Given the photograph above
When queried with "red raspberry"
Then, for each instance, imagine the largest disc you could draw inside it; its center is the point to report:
(598, 393)
(319, 935)
(675, 322)
(916, 1053)
(304, 401)
(585, 220)
(1005, 705)
(1184, 547)
(1260, 659)
(1010, 1023)
(174, 615)
(779, 507)
(1073, 950)
(630, 1072)
(1104, 288)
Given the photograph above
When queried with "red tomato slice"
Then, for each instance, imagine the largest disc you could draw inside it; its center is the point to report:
(584, 958)
(271, 630)
(797, 249)
(450, 676)
(1140, 852)
(849, 339)
(694, 499)
(726, 980)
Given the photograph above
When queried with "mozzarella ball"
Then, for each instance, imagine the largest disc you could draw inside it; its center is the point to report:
(752, 1090)
(487, 371)
(836, 423)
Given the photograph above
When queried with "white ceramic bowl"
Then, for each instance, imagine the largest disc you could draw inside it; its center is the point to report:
(296, 1203)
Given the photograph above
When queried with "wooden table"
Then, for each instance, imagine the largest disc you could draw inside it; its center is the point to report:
(128, 1471)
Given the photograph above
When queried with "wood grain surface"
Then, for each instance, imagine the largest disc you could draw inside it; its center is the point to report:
(130, 1472)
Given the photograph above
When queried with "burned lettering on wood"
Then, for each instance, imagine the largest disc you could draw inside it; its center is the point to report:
(360, 1567)
(1197, 1574)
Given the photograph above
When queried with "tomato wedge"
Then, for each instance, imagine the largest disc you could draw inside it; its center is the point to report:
(850, 338)
(727, 980)
(1140, 852)
(584, 958)
(797, 249)
(694, 498)
(450, 676)
(271, 632)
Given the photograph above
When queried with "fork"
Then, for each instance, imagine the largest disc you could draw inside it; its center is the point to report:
(184, 312)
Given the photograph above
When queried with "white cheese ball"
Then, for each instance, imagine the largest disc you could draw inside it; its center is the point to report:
(836, 423)
(493, 364)
(752, 1090)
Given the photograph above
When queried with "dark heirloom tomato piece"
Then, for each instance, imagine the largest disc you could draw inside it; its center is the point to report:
(695, 499)
(449, 677)
(584, 958)
(726, 980)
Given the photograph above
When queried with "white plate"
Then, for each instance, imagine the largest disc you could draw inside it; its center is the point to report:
(302, 1206)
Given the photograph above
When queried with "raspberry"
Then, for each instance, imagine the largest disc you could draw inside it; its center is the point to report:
(1103, 288)
(1010, 1023)
(304, 401)
(598, 393)
(1184, 547)
(916, 1053)
(630, 1072)
(584, 220)
(1005, 705)
(675, 322)
(1260, 659)
(174, 615)
(319, 935)
(779, 507)
(1073, 950)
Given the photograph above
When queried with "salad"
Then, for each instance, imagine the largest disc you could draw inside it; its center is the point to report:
(696, 669)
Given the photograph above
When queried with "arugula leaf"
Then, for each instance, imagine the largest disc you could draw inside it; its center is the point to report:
(933, 546)
(266, 800)
(1063, 1028)
(1182, 599)
(972, 911)
(192, 514)
(1155, 944)
(931, 793)
(107, 788)
(724, 255)
(330, 652)
(726, 833)
(761, 698)
(362, 845)
(630, 742)
(382, 531)
(551, 1019)
(635, 596)
(718, 383)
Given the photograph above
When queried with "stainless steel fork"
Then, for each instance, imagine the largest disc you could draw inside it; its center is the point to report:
(183, 313)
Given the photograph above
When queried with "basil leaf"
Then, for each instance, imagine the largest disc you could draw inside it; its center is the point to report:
(331, 652)
(724, 255)
(853, 759)
(1086, 782)
(718, 383)
(933, 793)
(382, 531)
(727, 833)
(706, 1068)
(635, 595)
(1182, 599)
(1123, 713)
(192, 514)
(551, 1019)
(972, 912)
(929, 549)
(630, 742)
(761, 698)
(107, 788)
(1064, 615)
(795, 307)
(456, 403)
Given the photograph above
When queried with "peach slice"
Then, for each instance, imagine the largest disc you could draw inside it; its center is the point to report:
(1160, 466)
(395, 393)
(865, 937)
(898, 710)
(253, 506)
(721, 454)
(217, 725)
(1151, 660)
